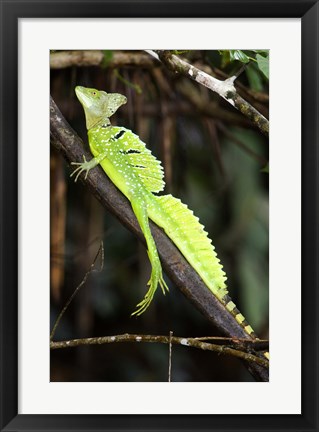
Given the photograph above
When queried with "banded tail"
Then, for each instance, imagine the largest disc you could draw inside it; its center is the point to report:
(184, 229)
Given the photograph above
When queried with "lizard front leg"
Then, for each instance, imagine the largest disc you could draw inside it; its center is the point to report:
(140, 209)
(87, 165)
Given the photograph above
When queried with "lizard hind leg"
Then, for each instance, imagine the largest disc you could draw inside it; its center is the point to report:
(140, 210)
(155, 280)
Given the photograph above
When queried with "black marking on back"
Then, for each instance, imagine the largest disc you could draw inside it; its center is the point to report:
(132, 151)
(127, 152)
(138, 166)
(119, 134)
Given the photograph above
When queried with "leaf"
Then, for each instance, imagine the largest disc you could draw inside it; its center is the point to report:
(239, 55)
(263, 64)
(265, 169)
(264, 53)
(229, 56)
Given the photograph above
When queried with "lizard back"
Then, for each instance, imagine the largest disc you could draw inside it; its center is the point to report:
(129, 156)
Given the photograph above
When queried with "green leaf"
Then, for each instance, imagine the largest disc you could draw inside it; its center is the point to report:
(238, 55)
(229, 56)
(264, 53)
(263, 64)
(265, 169)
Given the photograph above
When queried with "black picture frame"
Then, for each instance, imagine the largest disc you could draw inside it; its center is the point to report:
(11, 12)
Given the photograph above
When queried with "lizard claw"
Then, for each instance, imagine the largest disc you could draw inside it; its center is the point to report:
(152, 283)
(82, 166)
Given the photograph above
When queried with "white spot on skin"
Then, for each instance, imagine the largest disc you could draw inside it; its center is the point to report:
(138, 338)
(191, 73)
(113, 338)
(184, 342)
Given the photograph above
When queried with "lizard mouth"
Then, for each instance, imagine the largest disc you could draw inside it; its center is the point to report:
(83, 98)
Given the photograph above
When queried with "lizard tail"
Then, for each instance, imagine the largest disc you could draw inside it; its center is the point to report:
(184, 229)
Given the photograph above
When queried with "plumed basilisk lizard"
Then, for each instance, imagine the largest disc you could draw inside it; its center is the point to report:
(138, 175)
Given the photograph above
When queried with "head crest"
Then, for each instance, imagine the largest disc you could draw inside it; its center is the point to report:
(98, 105)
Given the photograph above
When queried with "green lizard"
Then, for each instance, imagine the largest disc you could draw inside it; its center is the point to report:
(138, 174)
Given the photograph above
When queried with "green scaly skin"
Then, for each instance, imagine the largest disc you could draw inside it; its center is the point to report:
(138, 174)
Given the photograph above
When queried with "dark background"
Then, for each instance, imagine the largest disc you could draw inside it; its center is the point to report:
(214, 160)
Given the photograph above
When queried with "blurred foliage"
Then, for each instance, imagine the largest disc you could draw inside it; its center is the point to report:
(263, 64)
(107, 57)
(261, 57)
(216, 164)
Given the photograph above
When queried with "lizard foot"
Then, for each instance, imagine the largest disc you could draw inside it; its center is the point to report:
(156, 278)
(83, 166)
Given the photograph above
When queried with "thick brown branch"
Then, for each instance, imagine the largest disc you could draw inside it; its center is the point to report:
(191, 342)
(64, 59)
(65, 140)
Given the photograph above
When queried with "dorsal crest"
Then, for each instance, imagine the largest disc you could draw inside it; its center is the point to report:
(128, 149)
(144, 164)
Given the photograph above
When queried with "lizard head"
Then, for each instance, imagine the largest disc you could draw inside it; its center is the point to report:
(98, 105)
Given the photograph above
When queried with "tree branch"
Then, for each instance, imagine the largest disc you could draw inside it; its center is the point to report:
(262, 98)
(224, 89)
(65, 59)
(191, 342)
(66, 141)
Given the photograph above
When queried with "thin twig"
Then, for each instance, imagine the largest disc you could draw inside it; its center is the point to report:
(67, 304)
(239, 343)
(232, 137)
(191, 342)
(170, 357)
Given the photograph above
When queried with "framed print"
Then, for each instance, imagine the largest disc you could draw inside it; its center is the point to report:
(154, 148)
